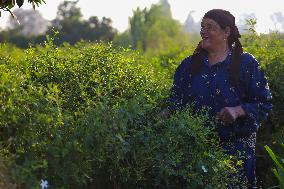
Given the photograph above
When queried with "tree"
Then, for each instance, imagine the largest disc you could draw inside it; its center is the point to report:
(69, 24)
(27, 28)
(123, 39)
(138, 29)
(155, 29)
(69, 11)
(6, 5)
(73, 28)
(99, 30)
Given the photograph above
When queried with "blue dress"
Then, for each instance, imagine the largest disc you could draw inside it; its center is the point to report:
(212, 88)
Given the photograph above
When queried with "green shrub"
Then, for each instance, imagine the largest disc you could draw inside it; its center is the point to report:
(88, 117)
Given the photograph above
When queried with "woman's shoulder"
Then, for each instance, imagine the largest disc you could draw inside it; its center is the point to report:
(185, 63)
(248, 59)
(183, 67)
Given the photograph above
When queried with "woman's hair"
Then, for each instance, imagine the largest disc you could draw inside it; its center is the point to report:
(224, 19)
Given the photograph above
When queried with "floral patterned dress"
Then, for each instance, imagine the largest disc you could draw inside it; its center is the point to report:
(212, 88)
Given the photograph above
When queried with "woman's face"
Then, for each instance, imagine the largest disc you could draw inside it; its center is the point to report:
(213, 36)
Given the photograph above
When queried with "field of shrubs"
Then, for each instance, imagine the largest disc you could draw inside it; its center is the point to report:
(88, 116)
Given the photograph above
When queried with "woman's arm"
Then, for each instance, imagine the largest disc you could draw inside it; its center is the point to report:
(176, 94)
(258, 101)
(176, 98)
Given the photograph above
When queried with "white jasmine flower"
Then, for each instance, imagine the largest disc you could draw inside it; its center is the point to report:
(204, 169)
(44, 184)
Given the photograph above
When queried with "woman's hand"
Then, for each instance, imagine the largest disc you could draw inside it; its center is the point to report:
(229, 114)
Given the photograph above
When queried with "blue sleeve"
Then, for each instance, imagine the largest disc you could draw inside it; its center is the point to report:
(258, 96)
(176, 97)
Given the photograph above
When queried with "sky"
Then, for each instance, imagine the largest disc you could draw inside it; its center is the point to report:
(120, 10)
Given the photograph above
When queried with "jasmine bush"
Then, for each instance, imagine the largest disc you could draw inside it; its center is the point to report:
(88, 117)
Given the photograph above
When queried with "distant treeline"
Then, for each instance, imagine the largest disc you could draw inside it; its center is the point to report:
(152, 28)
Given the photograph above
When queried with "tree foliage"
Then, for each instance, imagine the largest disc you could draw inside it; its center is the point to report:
(8, 4)
(155, 28)
(72, 28)
(69, 10)
(69, 24)
(24, 25)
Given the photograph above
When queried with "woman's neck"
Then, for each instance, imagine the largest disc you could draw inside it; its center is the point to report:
(218, 55)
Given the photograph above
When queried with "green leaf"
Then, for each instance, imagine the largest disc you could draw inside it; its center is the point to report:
(20, 2)
(279, 173)
(274, 158)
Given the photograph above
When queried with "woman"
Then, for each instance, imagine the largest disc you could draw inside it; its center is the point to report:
(220, 76)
